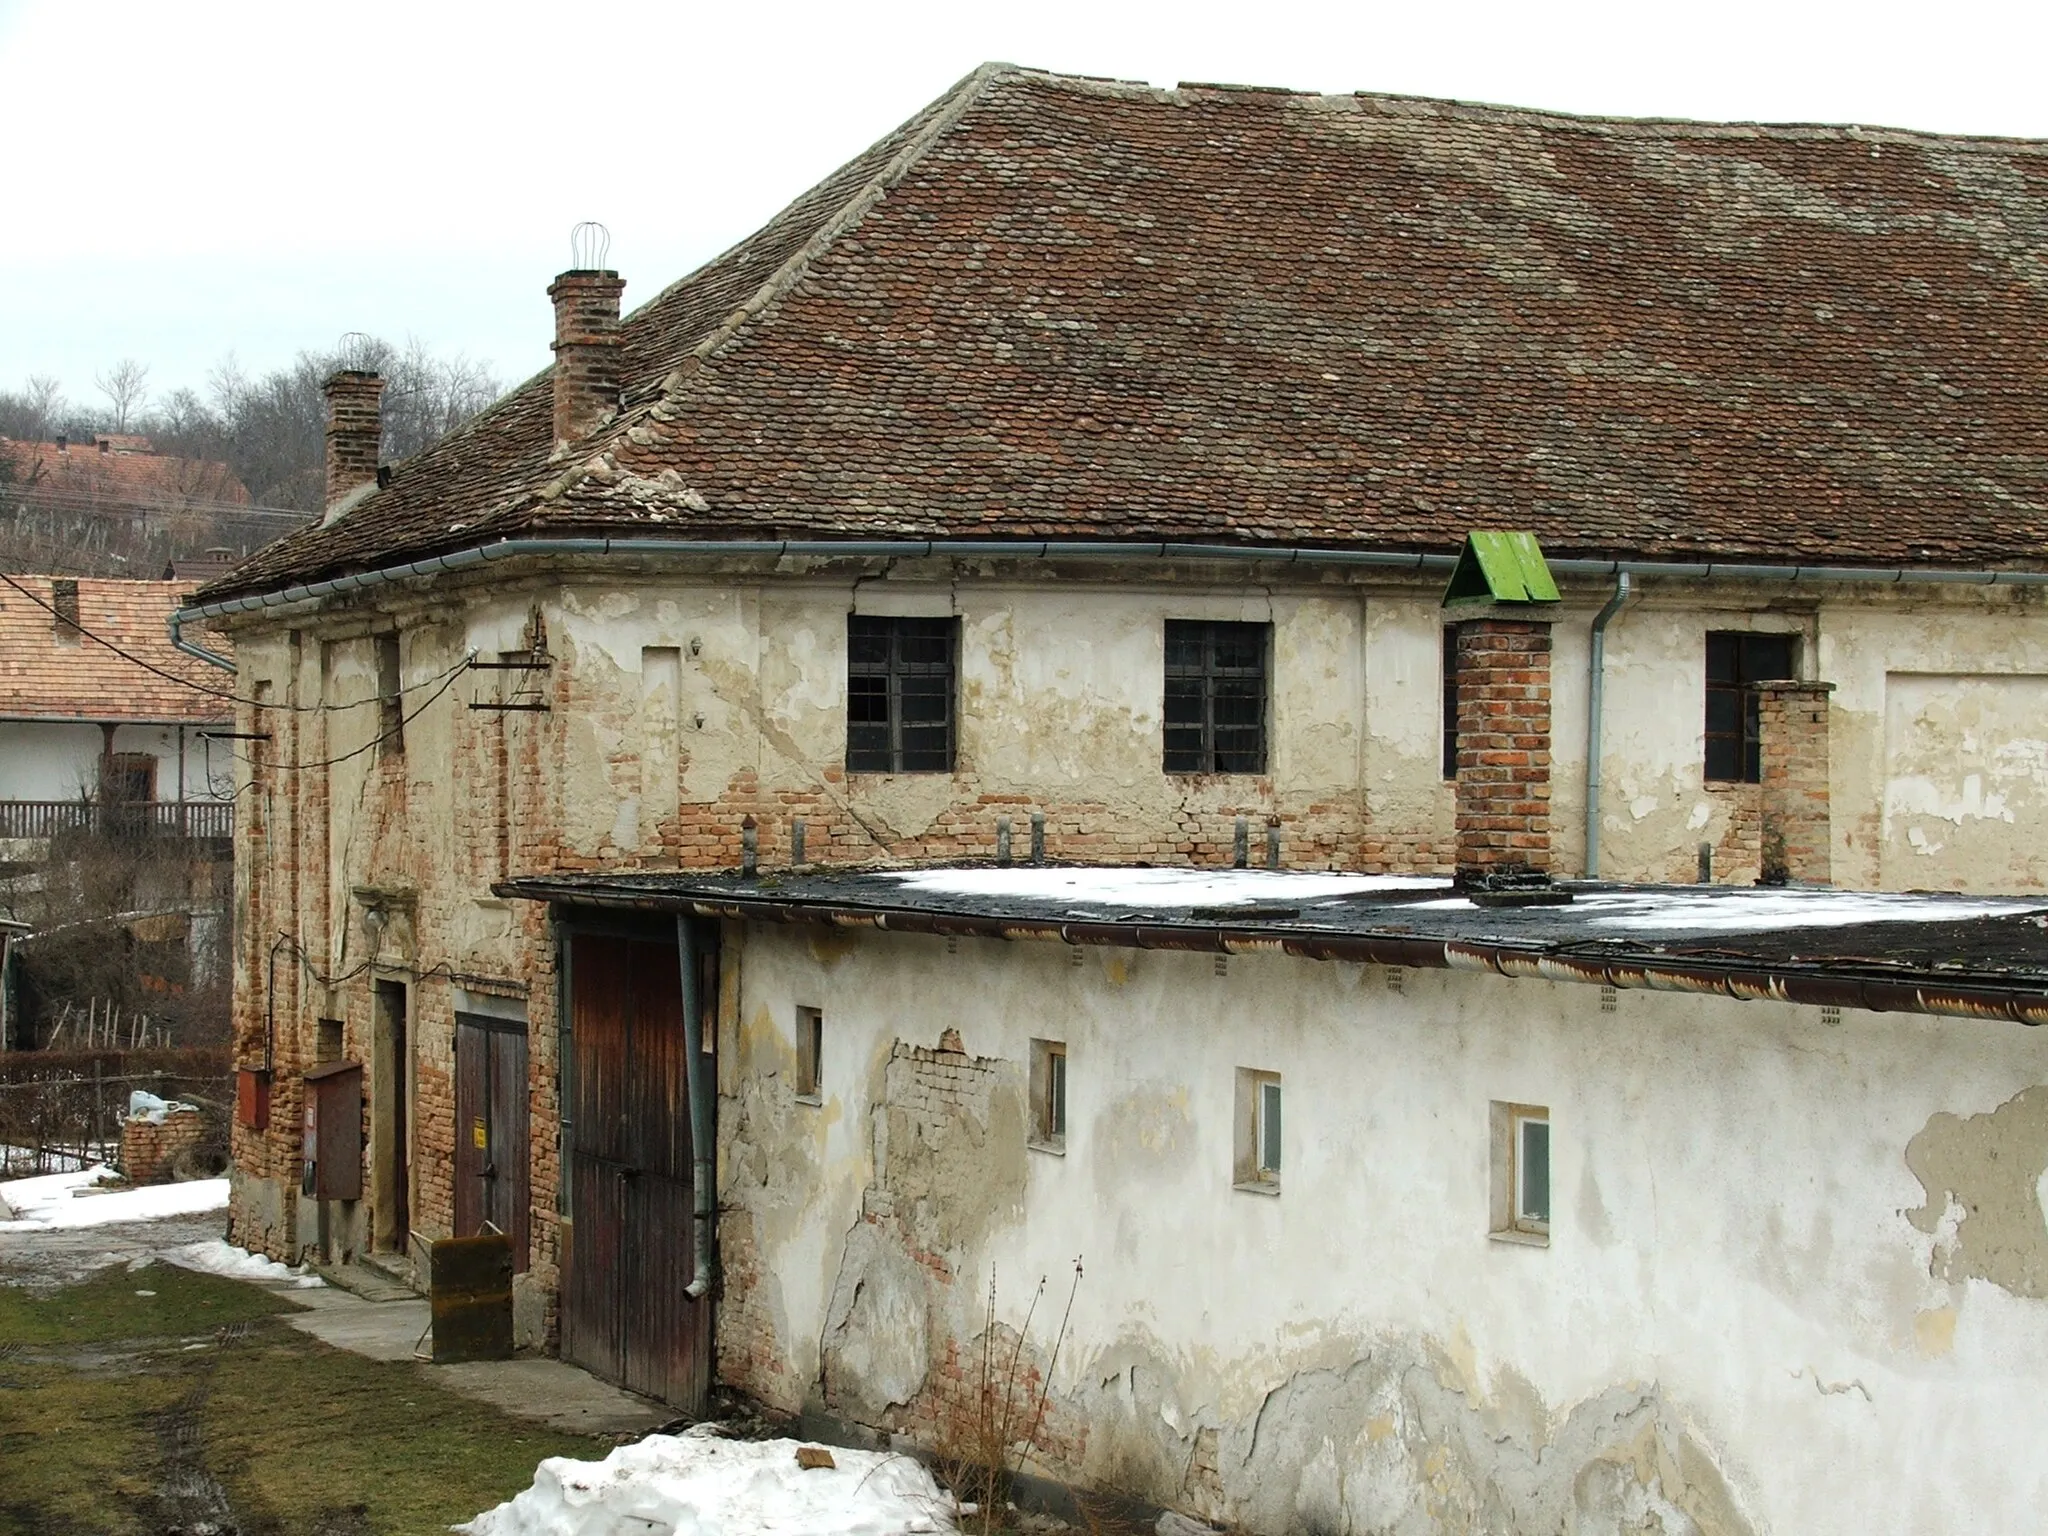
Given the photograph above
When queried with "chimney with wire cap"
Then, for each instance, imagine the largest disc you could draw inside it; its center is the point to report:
(587, 340)
(355, 429)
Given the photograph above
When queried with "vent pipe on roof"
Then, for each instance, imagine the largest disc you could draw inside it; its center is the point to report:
(587, 340)
(355, 430)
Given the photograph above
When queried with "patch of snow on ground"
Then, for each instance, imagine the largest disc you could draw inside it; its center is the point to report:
(217, 1257)
(1780, 909)
(69, 1200)
(696, 1484)
(1157, 888)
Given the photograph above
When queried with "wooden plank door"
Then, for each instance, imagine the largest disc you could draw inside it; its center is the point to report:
(491, 1137)
(626, 1316)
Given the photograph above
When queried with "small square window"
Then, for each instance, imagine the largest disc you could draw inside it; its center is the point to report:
(327, 1041)
(1521, 1173)
(1259, 1139)
(810, 1050)
(1049, 1095)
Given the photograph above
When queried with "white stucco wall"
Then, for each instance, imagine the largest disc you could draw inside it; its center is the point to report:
(57, 760)
(1736, 1326)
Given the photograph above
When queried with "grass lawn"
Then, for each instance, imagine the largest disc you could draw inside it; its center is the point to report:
(129, 1415)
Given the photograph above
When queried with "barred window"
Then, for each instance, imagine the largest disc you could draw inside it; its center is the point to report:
(899, 694)
(1735, 661)
(1450, 720)
(1216, 696)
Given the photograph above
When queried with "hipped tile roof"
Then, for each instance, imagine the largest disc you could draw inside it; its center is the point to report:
(127, 472)
(1050, 307)
(48, 672)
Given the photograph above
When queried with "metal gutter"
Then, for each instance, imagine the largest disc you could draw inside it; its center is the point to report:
(1596, 698)
(1745, 980)
(1030, 549)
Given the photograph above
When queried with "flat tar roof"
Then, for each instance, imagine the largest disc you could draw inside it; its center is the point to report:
(1921, 952)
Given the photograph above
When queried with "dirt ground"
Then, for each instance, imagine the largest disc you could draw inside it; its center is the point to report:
(147, 1400)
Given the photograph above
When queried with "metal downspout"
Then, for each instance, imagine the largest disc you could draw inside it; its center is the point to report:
(1596, 691)
(701, 1172)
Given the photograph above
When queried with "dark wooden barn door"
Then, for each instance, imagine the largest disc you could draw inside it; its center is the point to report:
(625, 1315)
(491, 1184)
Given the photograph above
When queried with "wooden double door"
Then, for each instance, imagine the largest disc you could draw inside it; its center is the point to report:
(627, 1158)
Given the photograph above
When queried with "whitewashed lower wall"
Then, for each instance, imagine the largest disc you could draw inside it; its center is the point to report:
(59, 760)
(1752, 1315)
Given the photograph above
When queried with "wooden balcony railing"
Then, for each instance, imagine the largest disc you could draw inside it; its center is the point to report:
(156, 818)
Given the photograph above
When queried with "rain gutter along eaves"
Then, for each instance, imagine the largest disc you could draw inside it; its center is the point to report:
(1028, 549)
(1745, 980)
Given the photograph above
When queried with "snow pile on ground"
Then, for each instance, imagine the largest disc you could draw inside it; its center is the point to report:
(696, 1484)
(216, 1257)
(70, 1200)
(148, 1107)
(1157, 889)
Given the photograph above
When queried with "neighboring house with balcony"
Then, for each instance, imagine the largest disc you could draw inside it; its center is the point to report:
(104, 743)
(1078, 475)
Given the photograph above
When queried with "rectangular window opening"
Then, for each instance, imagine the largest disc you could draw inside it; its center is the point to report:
(1049, 1095)
(1736, 661)
(390, 698)
(1259, 1138)
(1521, 1173)
(1450, 681)
(327, 1040)
(1216, 696)
(810, 1050)
(899, 694)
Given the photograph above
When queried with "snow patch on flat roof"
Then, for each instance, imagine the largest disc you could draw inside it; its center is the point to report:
(1156, 888)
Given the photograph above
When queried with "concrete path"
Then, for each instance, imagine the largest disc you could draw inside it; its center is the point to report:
(531, 1387)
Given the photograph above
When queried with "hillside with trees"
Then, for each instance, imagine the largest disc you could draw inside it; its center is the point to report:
(130, 483)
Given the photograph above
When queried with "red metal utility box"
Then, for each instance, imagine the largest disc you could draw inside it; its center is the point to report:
(333, 1147)
(252, 1098)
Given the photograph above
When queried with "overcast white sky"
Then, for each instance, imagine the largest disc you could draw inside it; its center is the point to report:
(208, 176)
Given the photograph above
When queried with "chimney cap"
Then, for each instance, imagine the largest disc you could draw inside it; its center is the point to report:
(590, 247)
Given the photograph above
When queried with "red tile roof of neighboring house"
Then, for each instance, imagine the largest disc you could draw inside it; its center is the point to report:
(128, 472)
(1051, 307)
(49, 673)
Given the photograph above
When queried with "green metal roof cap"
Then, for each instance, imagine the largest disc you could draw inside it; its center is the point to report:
(1501, 566)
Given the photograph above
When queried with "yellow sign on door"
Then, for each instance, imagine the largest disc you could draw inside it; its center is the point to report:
(477, 1135)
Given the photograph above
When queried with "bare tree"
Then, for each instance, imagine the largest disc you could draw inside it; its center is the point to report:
(124, 386)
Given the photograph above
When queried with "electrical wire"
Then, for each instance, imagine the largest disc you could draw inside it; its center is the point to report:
(447, 681)
(229, 695)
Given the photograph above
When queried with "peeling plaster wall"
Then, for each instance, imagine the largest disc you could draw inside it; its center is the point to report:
(676, 704)
(1792, 1283)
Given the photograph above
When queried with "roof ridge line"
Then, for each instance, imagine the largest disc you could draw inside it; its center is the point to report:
(965, 94)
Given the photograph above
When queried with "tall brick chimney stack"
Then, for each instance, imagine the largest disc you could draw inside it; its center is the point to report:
(1503, 784)
(587, 347)
(355, 429)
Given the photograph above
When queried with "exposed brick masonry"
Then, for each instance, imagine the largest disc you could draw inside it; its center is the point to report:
(587, 351)
(1792, 721)
(1503, 817)
(149, 1153)
(355, 430)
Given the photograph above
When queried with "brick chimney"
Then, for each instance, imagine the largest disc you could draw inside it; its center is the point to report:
(355, 430)
(1792, 747)
(1503, 782)
(587, 346)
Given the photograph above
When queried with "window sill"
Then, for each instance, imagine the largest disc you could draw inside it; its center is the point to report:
(1051, 1147)
(1258, 1186)
(1727, 786)
(1525, 1239)
(815, 1100)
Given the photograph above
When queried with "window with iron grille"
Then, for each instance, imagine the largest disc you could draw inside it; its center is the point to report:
(1735, 661)
(1216, 696)
(899, 694)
